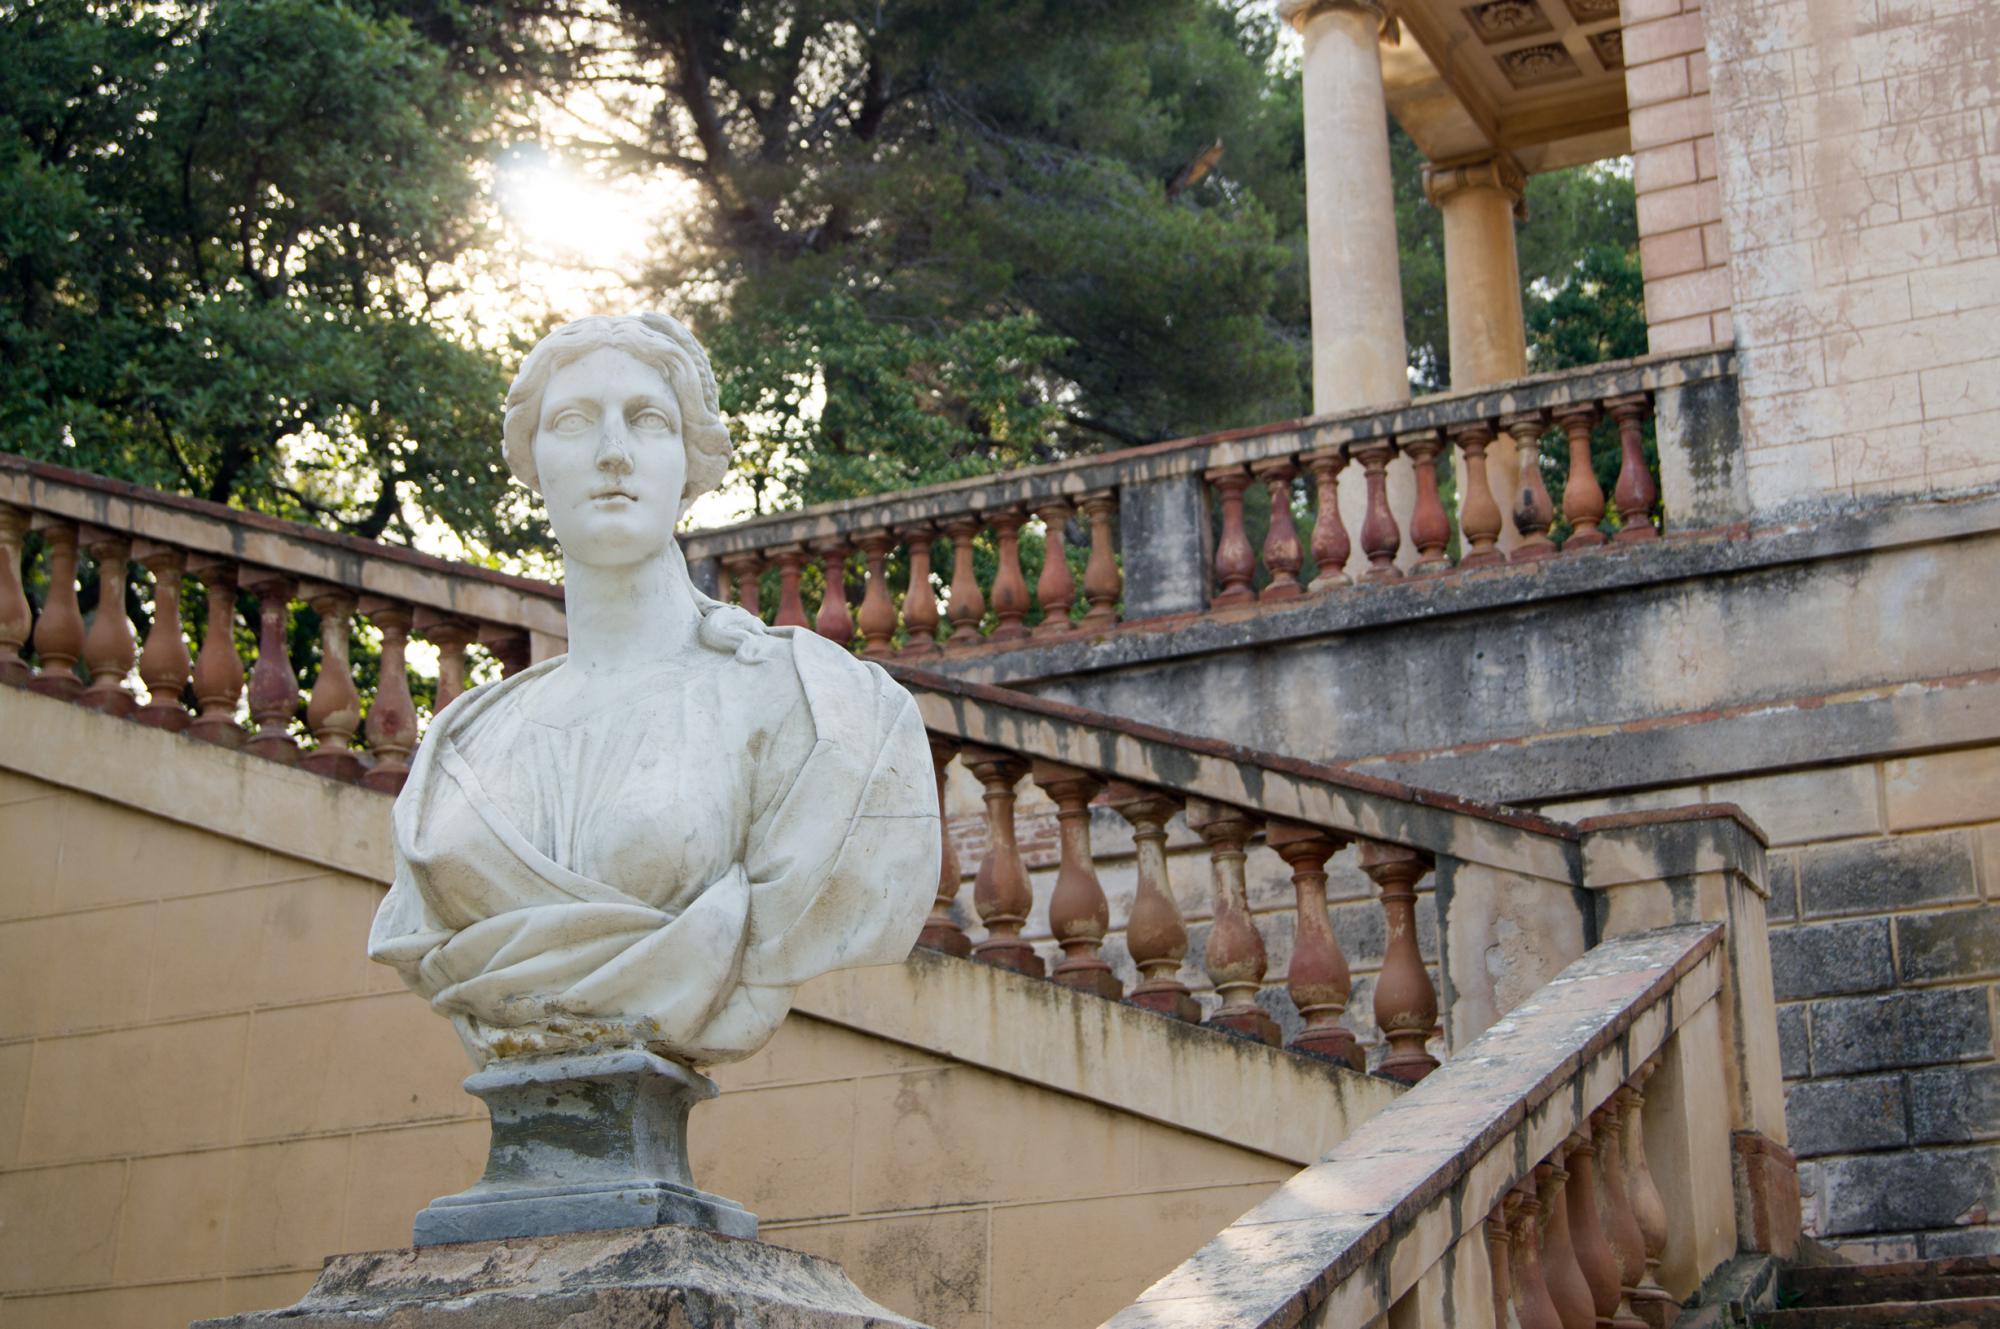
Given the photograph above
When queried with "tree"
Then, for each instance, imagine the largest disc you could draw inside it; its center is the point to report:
(227, 233)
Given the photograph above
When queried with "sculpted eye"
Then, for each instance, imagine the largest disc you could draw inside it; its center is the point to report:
(570, 421)
(652, 417)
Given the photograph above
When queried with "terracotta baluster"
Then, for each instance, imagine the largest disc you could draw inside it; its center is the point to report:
(391, 727)
(333, 712)
(1653, 1303)
(920, 603)
(451, 636)
(1586, 1229)
(878, 610)
(1406, 1005)
(1499, 1261)
(1632, 496)
(1079, 915)
(1614, 1203)
(834, 621)
(1478, 514)
(1055, 588)
(791, 608)
(59, 631)
(1430, 524)
(512, 649)
(110, 648)
(1568, 1289)
(941, 930)
(1319, 979)
(164, 662)
(744, 570)
(17, 616)
(1235, 561)
(1283, 554)
(967, 606)
(1103, 583)
(1583, 497)
(1380, 536)
(1155, 934)
(1533, 1306)
(218, 671)
(1010, 588)
(1001, 891)
(274, 686)
(1235, 958)
(1533, 512)
(1330, 548)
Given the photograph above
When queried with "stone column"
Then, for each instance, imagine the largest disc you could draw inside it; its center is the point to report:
(1359, 356)
(1479, 200)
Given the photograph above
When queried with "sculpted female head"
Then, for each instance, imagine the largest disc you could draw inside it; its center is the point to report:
(614, 421)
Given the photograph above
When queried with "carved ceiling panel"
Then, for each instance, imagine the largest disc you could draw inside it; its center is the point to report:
(1505, 20)
(1533, 66)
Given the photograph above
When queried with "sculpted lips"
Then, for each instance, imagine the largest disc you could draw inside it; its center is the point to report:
(613, 491)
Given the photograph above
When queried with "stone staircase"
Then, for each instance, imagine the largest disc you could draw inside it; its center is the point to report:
(1962, 1293)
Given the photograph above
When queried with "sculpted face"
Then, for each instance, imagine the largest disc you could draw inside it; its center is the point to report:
(610, 459)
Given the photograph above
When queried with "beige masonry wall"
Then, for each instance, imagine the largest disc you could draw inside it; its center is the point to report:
(205, 1088)
(1885, 951)
(1859, 146)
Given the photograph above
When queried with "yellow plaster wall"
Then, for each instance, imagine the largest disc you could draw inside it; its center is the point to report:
(205, 1088)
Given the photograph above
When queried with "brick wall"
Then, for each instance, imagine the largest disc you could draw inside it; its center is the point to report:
(1859, 156)
(1682, 248)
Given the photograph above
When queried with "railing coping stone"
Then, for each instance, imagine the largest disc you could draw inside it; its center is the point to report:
(1617, 821)
(1231, 447)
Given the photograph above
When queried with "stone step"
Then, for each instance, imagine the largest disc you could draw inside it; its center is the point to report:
(1902, 1280)
(1955, 1313)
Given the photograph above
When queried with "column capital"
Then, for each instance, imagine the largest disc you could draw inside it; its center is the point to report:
(1298, 13)
(1498, 171)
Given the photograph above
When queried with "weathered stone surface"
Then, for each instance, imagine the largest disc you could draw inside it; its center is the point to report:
(1908, 1190)
(1845, 1116)
(1783, 880)
(1794, 1041)
(1831, 959)
(1947, 1107)
(638, 1279)
(1903, 1029)
(1958, 943)
(1870, 876)
(1163, 530)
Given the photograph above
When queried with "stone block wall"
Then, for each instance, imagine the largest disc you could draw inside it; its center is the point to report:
(1859, 156)
(1885, 951)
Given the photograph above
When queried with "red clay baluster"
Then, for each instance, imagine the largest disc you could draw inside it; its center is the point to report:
(451, 636)
(791, 608)
(1533, 512)
(920, 603)
(941, 930)
(967, 606)
(17, 616)
(1567, 1288)
(1102, 581)
(1235, 561)
(1586, 1229)
(1001, 891)
(878, 610)
(1235, 958)
(834, 621)
(59, 631)
(1430, 525)
(1010, 588)
(1653, 1304)
(1079, 915)
(1583, 497)
(1055, 589)
(164, 662)
(1478, 514)
(1614, 1203)
(745, 570)
(1155, 934)
(1405, 1001)
(391, 727)
(218, 671)
(274, 687)
(333, 712)
(1330, 547)
(1283, 554)
(109, 647)
(1633, 495)
(511, 648)
(1319, 979)
(1380, 537)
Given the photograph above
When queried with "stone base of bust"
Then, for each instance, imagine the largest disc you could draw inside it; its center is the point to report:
(584, 1142)
(647, 1277)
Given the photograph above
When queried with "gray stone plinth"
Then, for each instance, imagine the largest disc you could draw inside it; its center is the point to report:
(644, 1278)
(584, 1142)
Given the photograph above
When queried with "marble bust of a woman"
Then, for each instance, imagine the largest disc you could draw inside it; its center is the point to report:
(652, 840)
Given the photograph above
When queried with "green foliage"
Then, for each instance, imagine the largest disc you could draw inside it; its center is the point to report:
(224, 232)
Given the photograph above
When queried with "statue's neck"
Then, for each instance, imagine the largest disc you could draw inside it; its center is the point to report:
(624, 617)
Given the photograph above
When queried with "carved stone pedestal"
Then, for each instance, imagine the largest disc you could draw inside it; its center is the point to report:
(636, 1279)
(584, 1142)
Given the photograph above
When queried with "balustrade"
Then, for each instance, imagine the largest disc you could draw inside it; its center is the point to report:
(1154, 934)
(109, 647)
(164, 663)
(1235, 957)
(1405, 999)
(1318, 980)
(941, 930)
(1079, 915)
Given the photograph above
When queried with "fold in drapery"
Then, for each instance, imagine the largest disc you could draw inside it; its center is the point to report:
(526, 953)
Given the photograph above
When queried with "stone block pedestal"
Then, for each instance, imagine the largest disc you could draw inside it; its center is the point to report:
(639, 1278)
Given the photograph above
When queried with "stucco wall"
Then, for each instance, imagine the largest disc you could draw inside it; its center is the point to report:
(205, 1088)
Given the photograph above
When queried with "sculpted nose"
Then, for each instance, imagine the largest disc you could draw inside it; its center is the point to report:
(614, 450)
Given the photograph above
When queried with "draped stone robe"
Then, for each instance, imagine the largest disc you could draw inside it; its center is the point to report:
(669, 865)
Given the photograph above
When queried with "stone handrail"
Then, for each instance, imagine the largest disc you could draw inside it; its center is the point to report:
(1165, 523)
